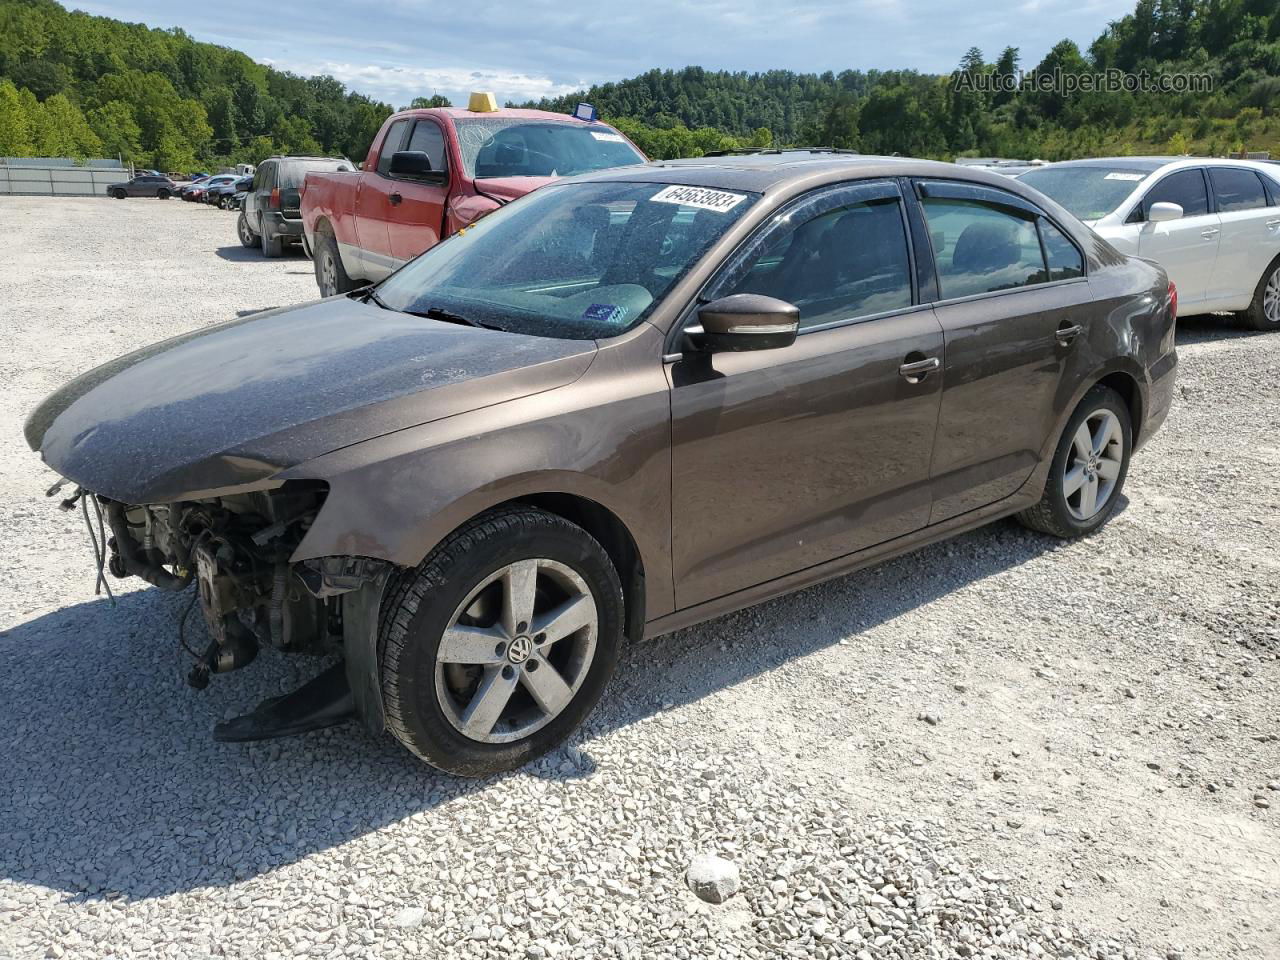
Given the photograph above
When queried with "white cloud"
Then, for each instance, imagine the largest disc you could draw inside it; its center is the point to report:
(400, 84)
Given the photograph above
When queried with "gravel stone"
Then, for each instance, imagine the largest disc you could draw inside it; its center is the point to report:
(712, 878)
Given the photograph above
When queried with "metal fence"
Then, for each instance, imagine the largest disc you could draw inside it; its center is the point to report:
(59, 176)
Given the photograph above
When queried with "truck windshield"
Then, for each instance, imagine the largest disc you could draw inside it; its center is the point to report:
(578, 261)
(509, 147)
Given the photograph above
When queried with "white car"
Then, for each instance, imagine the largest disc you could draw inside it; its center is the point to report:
(1214, 225)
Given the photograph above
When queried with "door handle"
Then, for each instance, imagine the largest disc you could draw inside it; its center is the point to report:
(916, 370)
(1067, 332)
(395, 199)
(1209, 233)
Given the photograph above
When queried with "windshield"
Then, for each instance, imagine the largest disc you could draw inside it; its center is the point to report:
(579, 261)
(508, 147)
(1088, 192)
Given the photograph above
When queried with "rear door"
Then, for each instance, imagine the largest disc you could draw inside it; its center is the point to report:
(373, 206)
(1186, 248)
(786, 458)
(1013, 327)
(1250, 236)
(417, 217)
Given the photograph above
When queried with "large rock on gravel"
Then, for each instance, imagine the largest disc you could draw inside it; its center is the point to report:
(712, 878)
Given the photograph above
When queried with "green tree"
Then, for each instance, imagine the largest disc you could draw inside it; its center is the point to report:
(119, 132)
(15, 123)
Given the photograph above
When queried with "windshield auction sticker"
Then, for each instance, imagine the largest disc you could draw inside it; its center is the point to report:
(700, 197)
(1114, 175)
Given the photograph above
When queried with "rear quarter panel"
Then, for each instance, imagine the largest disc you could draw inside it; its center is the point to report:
(330, 197)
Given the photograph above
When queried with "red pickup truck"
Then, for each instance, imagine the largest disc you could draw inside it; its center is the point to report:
(432, 172)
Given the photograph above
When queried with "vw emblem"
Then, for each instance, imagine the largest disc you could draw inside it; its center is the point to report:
(520, 649)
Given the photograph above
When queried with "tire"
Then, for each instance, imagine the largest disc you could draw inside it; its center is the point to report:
(271, 246)
(331, 276)
(247, 237)
(119, 194)
(1264, 311)
(162, 194)
(430, 698)
(1068, 514)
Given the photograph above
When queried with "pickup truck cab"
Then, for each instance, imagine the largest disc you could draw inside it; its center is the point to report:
(431, 172)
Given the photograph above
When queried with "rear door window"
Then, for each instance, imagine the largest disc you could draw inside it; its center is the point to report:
(1237, 189)
(1185, 188)
(1064, 258)
(982, 248)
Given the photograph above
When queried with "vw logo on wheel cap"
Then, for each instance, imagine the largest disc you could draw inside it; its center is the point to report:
(520, 649)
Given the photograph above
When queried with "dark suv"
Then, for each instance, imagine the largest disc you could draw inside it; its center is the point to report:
(144, 185)
(270, 215)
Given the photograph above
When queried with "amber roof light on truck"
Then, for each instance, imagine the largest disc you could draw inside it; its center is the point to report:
(482, 102)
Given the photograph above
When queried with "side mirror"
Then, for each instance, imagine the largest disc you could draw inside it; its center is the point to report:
(747, 321)
(416, 165)
(1163, 212)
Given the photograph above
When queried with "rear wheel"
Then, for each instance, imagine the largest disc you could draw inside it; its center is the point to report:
(271, 246)
(247, 237)
(500, 643)
(162, 194)
(1264, 311)
(1088, 469)
(331, 276)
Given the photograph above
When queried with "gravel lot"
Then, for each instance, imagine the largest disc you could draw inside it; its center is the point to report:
(999, 746)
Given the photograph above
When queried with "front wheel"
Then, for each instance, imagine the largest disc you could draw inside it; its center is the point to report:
(247, 237)
(119, 194)
(500, 643)
(1088, 468)
(1264, 311)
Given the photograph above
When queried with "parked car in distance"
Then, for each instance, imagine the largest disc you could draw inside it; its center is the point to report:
(144, 185)
(1213, 224)
(432, 172)
(223, 196)
(619, 406)
(196, 191)
(270, 215)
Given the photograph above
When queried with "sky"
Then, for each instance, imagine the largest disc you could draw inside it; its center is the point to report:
(395, 50)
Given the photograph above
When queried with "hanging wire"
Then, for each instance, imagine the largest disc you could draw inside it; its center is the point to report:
(99, 550)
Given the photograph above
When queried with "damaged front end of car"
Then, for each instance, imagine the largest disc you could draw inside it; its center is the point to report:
(237, 552)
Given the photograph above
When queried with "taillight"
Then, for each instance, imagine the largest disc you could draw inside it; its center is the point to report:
(1173, 300)
(275, 199)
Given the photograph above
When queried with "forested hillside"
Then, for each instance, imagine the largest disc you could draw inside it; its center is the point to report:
(1235, 42)
(80, 85)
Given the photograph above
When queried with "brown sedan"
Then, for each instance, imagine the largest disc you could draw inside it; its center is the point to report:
(621, 405)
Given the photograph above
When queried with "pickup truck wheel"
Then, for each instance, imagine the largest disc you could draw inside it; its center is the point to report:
(247, 237)
(1264, 311)
(331, 276)
(499, 644)
(1088, 469)
(271, 246)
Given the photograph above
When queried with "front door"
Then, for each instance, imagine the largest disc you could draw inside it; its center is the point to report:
(786, 458)
(1013, 326)
(374, 208)
(418, 218)
(1187, 248)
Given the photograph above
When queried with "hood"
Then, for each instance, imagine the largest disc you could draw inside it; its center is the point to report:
(230, 405)
(512, 188)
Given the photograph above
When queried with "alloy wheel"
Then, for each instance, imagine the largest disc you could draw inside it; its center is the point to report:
(516, 651)
(246, 235)
(1271, 298)
(1093, 466)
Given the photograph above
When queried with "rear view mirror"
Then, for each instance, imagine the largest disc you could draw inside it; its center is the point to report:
(1162, 212)
(414, 164)
(747, 321)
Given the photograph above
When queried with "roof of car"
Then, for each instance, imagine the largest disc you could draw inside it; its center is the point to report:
(759, 172)
(513, 113)
(1144, 164)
